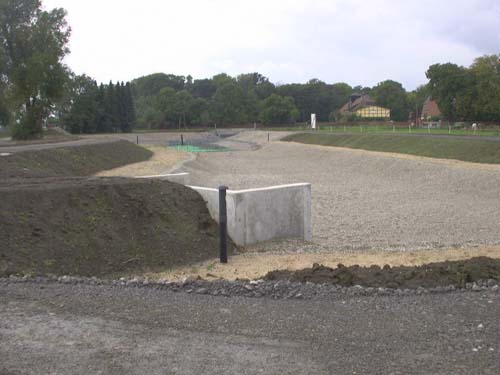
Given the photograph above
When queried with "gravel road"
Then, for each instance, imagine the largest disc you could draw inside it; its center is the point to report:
(365, 200)
(78, 329)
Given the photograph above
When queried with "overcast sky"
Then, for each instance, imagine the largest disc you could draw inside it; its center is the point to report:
(359, 42)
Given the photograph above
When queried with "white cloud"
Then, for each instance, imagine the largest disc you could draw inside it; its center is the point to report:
(360, 42)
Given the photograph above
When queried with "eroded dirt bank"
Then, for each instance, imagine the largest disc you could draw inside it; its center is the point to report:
(102, 227)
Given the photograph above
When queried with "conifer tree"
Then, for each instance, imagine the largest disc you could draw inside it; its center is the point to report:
(129, 104)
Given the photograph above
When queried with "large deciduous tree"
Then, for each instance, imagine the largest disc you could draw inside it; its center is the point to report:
(231, 104)
(33, 43)
(391, 94)
(486, 95)
(152, 84)
(277, 109)
(449, 84)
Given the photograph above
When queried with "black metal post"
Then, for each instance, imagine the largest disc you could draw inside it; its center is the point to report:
(182, 140)
(268, 137)
(223, 224)
(137, 139)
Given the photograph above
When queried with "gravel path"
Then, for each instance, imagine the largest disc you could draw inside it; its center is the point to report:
(79, 329)
(163, 160)
(366, 200)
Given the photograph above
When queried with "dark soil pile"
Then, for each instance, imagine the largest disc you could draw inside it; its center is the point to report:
(83, 160)
(456, 273)
(102, 227)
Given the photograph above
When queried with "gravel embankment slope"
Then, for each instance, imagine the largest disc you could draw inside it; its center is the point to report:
(75, 329)
(368, 201)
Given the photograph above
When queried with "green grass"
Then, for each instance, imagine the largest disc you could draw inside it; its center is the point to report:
(176, 130)
(400, 130)
(389, 129)
(471, 150)
(83, 160)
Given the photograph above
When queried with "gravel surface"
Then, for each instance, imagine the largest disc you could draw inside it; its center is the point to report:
(163, 161)
(368, 201)
(109, 329)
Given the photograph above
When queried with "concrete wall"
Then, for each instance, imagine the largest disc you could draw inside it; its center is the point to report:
(258, 215)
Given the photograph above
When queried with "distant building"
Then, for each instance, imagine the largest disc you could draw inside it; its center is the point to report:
(363, 106)
(431, 115)
(430, 110)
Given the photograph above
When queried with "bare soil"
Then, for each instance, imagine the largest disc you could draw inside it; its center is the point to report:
(54, 221)
(256, 265)
(456, 273)
(102, 227)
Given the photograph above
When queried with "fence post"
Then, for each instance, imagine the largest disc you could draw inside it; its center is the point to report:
(137, 139)
(222, 224)
(182, 140)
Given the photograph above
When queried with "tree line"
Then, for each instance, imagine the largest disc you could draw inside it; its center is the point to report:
(471, 93)
(35, 85)
(91, 108)
(166, 100)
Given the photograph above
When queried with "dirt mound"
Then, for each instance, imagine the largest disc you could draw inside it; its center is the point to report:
(83, 160)
(102, 227)
(456, 273)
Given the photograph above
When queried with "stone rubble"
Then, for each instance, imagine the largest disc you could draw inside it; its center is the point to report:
(253, 288)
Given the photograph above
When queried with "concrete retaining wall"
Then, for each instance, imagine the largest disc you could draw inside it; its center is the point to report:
(258, 215)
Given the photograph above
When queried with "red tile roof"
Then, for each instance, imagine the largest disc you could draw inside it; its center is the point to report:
(430, 109)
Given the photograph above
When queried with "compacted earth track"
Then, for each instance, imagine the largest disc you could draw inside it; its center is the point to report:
(104, 329)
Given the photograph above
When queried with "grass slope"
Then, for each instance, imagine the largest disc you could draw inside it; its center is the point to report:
(471, 150)
(72, 161)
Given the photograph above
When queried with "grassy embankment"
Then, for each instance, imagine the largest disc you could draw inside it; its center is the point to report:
(72, 161)
(385, 128)
(470, 150)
